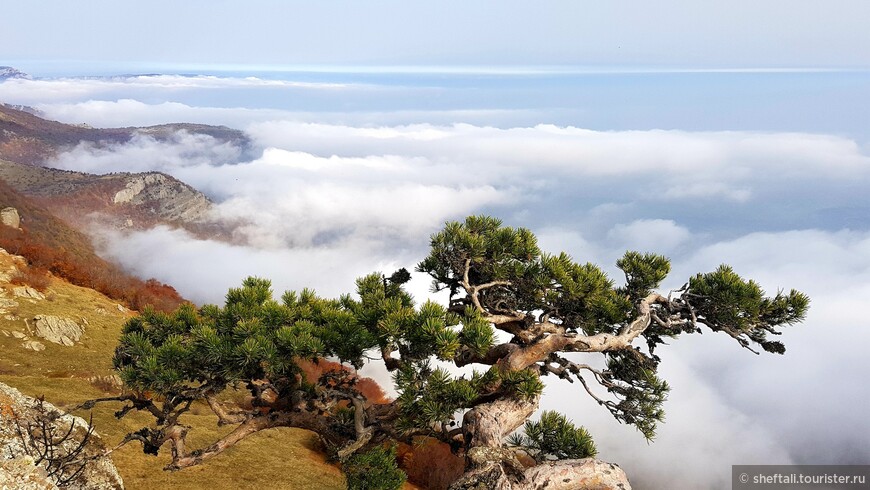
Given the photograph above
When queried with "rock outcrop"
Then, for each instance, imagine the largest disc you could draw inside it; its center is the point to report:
(168, 198)
(9, 217)
(17, 470)
(63, 331)
(21, 473)
(33, 345)
(27, 292)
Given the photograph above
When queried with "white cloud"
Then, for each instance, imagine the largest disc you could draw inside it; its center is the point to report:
(203, 269)
(707, 190)
(326, 202)
(702, 436)
(805, 398)
(126, 112)
(143, 153)
(656, 235)
(689, 156)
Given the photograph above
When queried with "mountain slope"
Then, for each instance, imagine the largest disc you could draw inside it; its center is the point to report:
(116, 200)
(70, 375)
(29, 139)
(119, 200)
(50, 245)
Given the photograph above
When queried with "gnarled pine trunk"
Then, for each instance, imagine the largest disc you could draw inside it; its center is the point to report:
(490, 465)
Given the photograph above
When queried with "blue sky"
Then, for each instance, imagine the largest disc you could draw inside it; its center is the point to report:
(704, 33)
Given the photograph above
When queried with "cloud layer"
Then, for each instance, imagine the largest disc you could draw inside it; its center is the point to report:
(330, 196)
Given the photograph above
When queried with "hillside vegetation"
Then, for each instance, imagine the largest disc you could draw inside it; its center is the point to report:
(50, 245)
(49, 268)
(69, 375)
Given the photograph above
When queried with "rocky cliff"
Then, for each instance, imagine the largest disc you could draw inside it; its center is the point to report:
(29, 462)
(120, 200)
(171, 200)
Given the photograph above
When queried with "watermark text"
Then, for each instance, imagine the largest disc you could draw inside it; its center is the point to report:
(799, 477)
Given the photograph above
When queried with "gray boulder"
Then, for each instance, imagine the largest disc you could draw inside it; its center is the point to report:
(17, 468)
(63, 331)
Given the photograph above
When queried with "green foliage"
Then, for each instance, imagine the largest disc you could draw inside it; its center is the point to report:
(251, 337)
(631, 376)
(643, 273)
(375, 469)
(428, 396)
(493, 253)
(554, 437)
(725, 301)
(582, 296)
(525, 383)
(477, 334)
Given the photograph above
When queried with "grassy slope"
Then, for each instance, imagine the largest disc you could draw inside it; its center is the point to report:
(286, 458)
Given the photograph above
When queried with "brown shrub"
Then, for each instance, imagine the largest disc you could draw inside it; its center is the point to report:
(368, 387)
(430, 463)
(90, 271)
(35, 277)
(107, 384)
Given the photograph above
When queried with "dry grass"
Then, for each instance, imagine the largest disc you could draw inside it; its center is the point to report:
(275, 459)
(92, 356)
(279, 459)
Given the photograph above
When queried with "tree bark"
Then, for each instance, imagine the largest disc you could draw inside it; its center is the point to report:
(490, 465)
(181, 458)
(488, 424)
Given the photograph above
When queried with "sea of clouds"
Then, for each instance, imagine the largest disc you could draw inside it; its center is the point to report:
(321, 198)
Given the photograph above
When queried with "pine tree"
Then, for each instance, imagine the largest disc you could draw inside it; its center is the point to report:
(498, 280)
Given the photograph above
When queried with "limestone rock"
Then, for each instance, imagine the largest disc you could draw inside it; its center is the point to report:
(109, 383)
(9, 217)
(34, 345)
(98, 474)
(63, 331)
(166, 197)
(6, 303)
(10, 265)
(27, 292)
(21, 473)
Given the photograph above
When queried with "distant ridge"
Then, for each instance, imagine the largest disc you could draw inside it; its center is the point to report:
(119, 200)
(27, 138)
(7, 72)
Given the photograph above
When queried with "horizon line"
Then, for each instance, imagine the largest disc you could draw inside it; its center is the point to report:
(424, 69)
